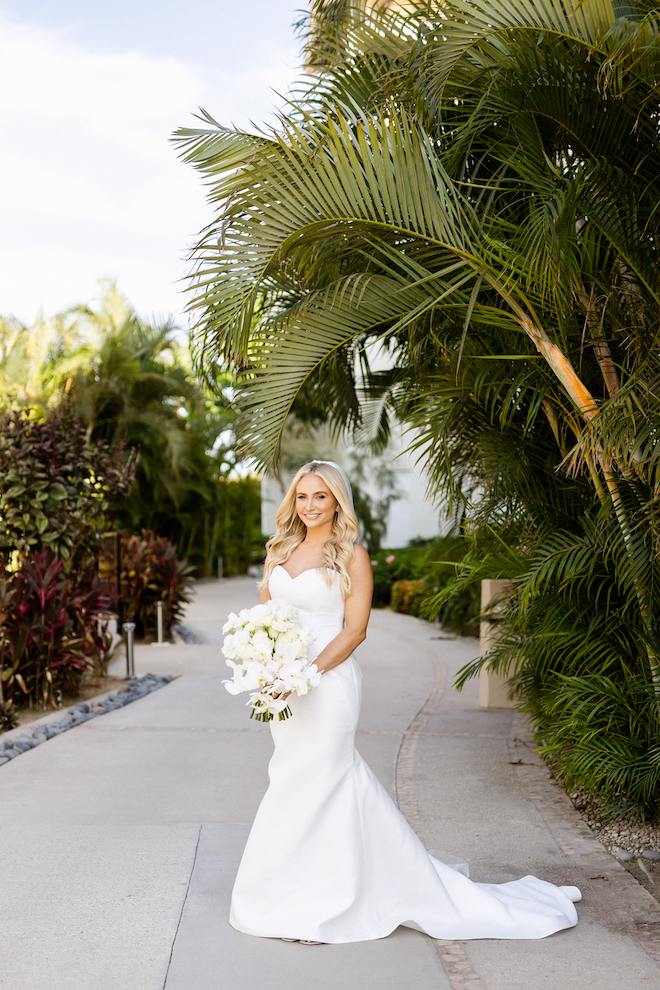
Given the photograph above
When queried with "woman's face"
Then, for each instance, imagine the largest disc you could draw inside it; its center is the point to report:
(315, 502)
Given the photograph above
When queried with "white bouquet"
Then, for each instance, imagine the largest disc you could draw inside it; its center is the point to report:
(271, 646)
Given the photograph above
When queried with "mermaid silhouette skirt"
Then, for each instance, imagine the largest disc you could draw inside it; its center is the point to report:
(330, 858)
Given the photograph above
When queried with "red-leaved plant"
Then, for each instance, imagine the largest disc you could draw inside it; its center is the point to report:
(52, 629)
(150, 572)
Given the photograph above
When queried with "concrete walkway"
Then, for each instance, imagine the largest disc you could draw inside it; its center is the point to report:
(119, 839)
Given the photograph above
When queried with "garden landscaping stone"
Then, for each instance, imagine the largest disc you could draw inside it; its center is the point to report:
(187, 635)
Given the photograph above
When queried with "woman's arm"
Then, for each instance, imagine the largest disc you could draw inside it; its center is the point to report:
(356, 616)
(265, 595)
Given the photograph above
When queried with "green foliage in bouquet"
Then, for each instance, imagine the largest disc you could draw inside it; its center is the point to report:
(52, 631)
(151, 572)
(56, 487)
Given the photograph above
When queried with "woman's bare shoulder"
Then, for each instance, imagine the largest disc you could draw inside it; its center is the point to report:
(361, 558)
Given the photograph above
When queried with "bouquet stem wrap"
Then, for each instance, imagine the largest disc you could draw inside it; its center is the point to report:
(267, 648)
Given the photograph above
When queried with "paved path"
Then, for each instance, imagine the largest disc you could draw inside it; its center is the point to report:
(120, 838)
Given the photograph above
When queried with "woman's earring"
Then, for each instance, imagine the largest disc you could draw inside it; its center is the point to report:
(336, 509)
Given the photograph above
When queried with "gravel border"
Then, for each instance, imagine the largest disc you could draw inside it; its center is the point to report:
(82, 712)
(626, 837)
(187, 635)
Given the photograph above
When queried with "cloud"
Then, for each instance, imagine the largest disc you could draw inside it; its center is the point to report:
(90, 186)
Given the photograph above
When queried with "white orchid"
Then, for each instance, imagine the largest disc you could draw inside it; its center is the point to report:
(231, 624)
(264, 706)
(285, 652)
(262, 644)
(272, 648)
(300, 679)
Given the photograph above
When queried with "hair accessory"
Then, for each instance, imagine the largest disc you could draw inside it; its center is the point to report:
(347, 483)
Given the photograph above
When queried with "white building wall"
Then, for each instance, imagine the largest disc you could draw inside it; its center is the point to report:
(271, 496)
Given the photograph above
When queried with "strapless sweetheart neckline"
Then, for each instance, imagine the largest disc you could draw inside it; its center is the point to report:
(290, 576)
(306, 571)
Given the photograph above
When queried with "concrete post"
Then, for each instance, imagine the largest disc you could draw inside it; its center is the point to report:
(493, 687)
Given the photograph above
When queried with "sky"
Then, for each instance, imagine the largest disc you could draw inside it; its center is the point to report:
(90, 92)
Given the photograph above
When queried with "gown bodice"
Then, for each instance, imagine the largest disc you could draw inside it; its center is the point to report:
(320, 606)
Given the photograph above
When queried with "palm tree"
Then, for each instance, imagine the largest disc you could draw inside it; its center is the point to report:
(473, 188)
(359, 222)
(533, 210)
(131, 383)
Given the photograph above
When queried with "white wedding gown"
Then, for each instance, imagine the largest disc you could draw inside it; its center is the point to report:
(330, 858)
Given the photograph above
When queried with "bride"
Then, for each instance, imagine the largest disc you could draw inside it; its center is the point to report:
(330, 858)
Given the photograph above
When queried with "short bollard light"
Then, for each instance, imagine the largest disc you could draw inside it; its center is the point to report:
(160, 625)
(129, 632)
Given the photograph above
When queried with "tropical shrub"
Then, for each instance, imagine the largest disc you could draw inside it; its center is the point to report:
(226, 523)
(130, 384)
(137, 388)
(575, 642)
(400, 564)
(8, 716)
(150, 572)
(56, 488)
(408, 597)
(52, 629)
(431, 565)
(459, 613)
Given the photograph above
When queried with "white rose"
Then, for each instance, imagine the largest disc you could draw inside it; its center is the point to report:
(282, 624)
(260, 614)
(287, 636)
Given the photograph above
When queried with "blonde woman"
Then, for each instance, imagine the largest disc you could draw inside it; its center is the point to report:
(330, 858)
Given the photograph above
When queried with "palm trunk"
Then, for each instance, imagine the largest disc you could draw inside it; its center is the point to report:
(586, 404)
(588, 408)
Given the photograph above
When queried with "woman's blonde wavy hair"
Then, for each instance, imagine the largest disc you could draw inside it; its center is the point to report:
(291, 530)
